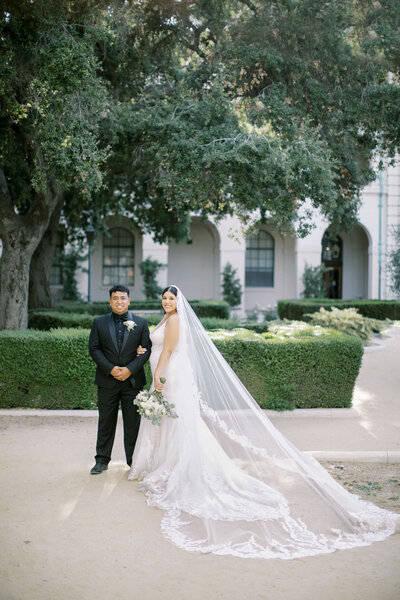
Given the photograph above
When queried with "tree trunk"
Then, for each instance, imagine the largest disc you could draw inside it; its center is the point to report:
(19, 245)
(42, 260)
(20, 235)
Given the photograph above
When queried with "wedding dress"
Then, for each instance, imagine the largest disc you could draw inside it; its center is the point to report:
(228, 481)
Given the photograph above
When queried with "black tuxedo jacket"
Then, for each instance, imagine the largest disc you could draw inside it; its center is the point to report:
(103, 348)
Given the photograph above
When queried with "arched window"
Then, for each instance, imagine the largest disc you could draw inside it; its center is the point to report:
(118, 257)
(260, 260)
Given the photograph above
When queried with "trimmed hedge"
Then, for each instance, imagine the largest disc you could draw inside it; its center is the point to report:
(294, 310)
(211, 308)
(102, 308)
(307, 371)
(46, 369)
(203, 308)
(44, 320)
(53, 370)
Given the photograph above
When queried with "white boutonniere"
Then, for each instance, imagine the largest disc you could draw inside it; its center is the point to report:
(129, 325)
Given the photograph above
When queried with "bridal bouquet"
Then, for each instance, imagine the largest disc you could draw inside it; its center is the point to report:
(152, 406)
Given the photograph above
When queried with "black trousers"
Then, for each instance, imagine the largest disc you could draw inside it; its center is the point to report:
(108, 405)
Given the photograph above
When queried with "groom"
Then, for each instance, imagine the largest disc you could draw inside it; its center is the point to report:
(113, 343)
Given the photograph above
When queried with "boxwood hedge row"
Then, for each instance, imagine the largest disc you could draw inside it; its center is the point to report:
(203, 308)
(375, 309)
(53, 319)
(53, 370)
(303, 372)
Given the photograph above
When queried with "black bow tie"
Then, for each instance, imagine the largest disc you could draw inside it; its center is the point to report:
(120, 318)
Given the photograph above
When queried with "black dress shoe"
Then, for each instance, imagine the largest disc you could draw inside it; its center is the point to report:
(98, 468)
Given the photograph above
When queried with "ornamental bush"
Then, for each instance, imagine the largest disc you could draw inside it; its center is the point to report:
(375, 309)
(149, 269)
(347, 320)
(231, 286)
(290, 367)
(313, 281)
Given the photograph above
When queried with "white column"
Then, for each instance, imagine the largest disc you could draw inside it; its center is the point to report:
(392, 223)
(232, 250)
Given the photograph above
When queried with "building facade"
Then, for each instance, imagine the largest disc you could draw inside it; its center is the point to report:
(270, 266)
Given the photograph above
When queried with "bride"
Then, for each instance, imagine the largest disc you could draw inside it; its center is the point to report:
(228, 481)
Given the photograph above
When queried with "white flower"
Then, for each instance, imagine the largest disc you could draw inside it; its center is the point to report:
(129, 325)
(153, 406)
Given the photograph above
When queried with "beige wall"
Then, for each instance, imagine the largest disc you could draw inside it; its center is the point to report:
(195, 267)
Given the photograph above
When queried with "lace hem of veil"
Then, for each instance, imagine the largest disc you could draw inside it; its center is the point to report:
(174, 523)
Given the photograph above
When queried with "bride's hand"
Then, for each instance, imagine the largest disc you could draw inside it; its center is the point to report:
(140, 350)
(158, 386)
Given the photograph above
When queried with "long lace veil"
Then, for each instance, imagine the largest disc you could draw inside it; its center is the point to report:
(313, 513)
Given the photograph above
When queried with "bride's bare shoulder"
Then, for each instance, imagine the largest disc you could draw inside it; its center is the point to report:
(173, 320)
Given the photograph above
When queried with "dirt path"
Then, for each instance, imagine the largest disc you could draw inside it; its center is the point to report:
(68, 536)
(377, 483)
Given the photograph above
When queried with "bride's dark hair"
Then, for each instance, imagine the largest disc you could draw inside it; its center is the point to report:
(170, 288)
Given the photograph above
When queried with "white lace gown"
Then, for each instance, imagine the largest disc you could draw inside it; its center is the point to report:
(196, 469)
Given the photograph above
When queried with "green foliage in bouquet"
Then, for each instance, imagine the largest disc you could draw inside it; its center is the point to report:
(153, 406)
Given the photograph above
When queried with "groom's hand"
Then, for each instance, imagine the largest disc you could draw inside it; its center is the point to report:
(121, 373)
(115, 372)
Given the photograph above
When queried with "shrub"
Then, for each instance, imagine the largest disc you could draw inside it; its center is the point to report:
(69, 263)
(313, 281)
(231, 287)
(347, 320)
(394, 263)
(303, 367)
(375, 309)
(149, 269)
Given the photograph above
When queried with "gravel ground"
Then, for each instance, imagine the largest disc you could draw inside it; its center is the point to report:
(377, 482)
